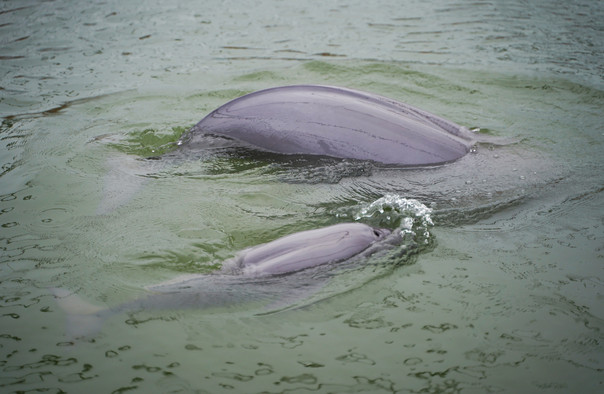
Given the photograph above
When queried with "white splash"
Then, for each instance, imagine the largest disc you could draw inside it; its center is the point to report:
(414, 217)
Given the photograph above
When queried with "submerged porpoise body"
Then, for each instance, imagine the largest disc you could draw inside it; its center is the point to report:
(337, 122)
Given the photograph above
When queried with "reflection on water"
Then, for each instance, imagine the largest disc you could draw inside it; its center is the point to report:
(507, 297)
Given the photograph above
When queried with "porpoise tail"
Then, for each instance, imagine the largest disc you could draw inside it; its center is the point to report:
(124, 178)
(84, 319)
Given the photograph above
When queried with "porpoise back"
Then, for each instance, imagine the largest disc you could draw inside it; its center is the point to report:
(336, 122)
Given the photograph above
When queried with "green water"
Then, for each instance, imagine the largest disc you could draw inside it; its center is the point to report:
(508, 297)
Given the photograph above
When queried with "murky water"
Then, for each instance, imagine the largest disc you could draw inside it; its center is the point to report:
(506, 296)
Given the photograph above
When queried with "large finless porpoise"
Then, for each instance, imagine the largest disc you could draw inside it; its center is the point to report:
(255, 274)
(318, 121)
(337, 122)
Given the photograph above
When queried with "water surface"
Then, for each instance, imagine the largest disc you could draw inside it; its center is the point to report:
(507, 296)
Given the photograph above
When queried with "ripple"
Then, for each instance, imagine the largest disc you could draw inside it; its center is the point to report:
(354, 357)
(55, 217)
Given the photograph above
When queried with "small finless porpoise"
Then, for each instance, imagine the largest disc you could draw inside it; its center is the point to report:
(245, 278)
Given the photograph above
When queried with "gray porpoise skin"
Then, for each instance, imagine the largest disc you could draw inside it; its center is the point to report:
(307, 249)
(336, 122)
